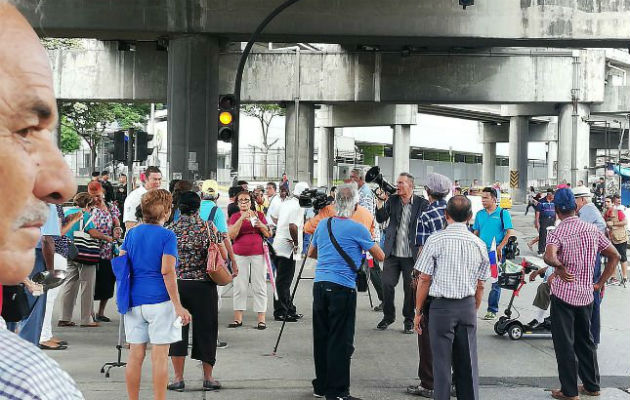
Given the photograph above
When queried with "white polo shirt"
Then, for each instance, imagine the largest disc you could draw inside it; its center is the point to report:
(289, 213)
(131, 203)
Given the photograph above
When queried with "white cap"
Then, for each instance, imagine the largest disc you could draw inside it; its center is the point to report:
(299, 188)
(581, 191)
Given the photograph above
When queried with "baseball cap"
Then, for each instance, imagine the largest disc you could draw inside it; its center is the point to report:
(581, 191)
(299, 188)
(438, 183)
(564, 200)
(209, 186)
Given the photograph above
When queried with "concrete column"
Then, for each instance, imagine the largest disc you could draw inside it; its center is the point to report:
(299, 141)
(402, 134)
(519, 132)
(592, 158)
(488, 163)
(326, 157)
(192, 95)
(573, 143)
(552, 159)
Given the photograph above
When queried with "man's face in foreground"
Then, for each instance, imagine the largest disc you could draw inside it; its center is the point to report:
(32, 169)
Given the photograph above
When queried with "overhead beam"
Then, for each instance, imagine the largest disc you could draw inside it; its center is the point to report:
(365, 114)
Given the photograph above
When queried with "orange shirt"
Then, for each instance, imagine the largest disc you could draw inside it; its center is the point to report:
(360, 215)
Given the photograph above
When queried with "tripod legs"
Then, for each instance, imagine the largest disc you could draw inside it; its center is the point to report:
(118, 363)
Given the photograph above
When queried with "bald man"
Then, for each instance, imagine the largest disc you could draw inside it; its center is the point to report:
(33, 174)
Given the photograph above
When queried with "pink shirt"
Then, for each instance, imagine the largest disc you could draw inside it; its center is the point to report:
(578, 244)
(249, 239)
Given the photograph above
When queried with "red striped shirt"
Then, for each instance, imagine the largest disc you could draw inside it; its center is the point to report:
(578, 243)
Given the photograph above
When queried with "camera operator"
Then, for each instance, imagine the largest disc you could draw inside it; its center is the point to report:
(335, 295)
(286, 244)
(402, 210)
(360, 215)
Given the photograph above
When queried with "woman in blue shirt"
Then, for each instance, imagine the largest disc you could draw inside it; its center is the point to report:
(156, 313)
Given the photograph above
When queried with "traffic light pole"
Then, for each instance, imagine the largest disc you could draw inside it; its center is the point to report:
(130, 158)
(239, 76)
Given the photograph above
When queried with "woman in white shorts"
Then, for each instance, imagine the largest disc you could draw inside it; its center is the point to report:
(154, 299)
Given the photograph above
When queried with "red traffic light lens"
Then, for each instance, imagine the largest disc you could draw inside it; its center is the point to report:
(227, 101)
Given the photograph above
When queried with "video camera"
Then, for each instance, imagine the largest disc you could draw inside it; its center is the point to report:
(314, 198)
(511, 248)
(374, 175)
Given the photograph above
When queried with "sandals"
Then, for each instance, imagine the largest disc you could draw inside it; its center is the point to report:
(90, 325)
(586, 392)
(176, 386)
(261, 326)
(50, 345)
(235, 324)
(211, 385)
(65, 323)
(557, 394)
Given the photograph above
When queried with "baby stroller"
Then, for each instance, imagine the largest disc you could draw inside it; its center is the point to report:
(512, 277)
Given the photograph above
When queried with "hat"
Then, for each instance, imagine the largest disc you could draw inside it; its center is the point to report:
(94, 188)
(564, 200)
(581, 191)
(438, 183)
(209, 186)
(299, 188)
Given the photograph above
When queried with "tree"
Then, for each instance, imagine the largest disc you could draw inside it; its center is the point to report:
(265, 113)
(70, 141)
(90, 119)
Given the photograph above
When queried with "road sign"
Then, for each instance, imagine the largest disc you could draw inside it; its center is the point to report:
(514, 178)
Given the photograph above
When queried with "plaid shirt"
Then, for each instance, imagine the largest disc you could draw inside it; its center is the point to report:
(456, 259)
(578, 243)
(27, 373)
(431, 220)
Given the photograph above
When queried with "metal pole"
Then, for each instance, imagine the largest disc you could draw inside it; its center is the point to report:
(130, 157)
(239, 75)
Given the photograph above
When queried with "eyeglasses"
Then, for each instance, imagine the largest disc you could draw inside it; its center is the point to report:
(244, 201)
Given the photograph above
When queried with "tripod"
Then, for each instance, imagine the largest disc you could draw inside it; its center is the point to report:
(118, 363)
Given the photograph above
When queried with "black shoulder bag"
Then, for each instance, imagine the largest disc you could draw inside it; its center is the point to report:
(362, 283)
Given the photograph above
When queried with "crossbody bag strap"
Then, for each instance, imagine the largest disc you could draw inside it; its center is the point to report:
(212, 214)
(343, 254)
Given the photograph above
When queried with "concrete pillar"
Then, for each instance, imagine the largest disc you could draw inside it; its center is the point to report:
(488, 163)
(402, 134)
(299, 141)
(592, 158)
(552, 159)
(573, 143)
(192, 95)
(326, 157)
(519, 132)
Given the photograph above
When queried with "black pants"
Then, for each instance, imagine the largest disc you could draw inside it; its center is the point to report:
(200, 299)
(285, 269)
(530, 204)
(425, 356)
(392, 269)
(105, 280)
(573, 343)
(334, 309)
(543, 223)
(453, 331)
(377, 281)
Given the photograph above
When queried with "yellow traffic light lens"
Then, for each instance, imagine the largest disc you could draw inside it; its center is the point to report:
(225, 118)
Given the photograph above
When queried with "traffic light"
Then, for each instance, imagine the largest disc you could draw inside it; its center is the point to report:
(227, 117)
(142, 146)
(466, 3)
(120, 146)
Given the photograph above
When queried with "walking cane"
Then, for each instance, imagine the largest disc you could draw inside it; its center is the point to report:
(118, 363)
(369, 279)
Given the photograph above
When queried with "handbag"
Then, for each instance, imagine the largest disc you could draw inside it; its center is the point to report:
(88, 248)
(361, 281)
(14, 303)
(215, 266)
(121, 266)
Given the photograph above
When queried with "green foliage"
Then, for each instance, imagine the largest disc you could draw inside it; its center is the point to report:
(265, 113)
(70, 141)
(60, 43)
(370, 152)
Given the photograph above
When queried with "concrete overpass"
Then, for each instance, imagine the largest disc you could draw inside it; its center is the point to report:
(390, 25)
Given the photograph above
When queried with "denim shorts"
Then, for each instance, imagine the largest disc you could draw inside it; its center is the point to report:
(152, 323)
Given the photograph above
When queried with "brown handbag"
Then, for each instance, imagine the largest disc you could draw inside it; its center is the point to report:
(216, 267)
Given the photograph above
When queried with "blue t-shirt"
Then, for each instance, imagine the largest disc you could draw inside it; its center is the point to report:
(489, 225)
(77, 225)
(145, 245)
(51, 227)
(219, 218)
(352, 237)
(546, 208)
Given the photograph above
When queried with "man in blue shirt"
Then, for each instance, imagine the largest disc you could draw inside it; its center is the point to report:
(545, 217)
(335, 295)
(493, 224)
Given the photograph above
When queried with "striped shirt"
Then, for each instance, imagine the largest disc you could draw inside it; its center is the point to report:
(456, 259)
(27, 373)
(578, 243)
(431, 220)
(366, 199)
(402, 248)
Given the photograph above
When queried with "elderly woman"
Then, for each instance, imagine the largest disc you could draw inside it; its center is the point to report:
(154, 299)
(79, 273)
(247, 229)
(198, 292)
(106, 220)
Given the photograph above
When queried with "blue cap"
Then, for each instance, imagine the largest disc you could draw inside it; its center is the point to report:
(564, 200)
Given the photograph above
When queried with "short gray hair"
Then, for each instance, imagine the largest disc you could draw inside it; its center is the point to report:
(346, 199)
(408, 176)
(360, 173)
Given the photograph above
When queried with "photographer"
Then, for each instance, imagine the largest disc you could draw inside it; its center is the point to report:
(334, 294)
(360, 215)
(402, 210)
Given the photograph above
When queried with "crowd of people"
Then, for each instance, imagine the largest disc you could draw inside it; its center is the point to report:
(166, 237)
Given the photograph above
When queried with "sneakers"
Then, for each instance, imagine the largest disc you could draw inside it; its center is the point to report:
(489, 316)
(408, 328)
(378, 308)
(533, 324)
(384, 324)
(176, 386)
(418, 390)
(316, 393)
(221, 345)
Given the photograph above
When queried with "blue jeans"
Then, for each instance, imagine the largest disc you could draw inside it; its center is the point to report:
(493, 298)
(31, 327)
(597, 300)
(307, 242)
